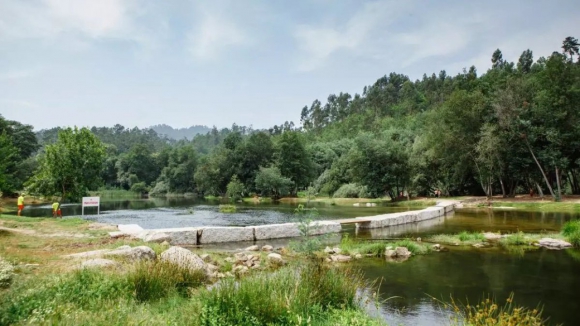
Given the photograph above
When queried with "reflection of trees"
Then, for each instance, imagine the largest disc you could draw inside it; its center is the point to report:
(546, 277)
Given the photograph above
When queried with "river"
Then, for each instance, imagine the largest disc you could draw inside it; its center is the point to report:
(548, 278)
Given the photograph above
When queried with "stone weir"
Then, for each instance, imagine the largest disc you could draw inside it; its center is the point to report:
(221, 234)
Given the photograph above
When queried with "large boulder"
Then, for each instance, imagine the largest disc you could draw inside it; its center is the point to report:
(554, 243)
(402, 252)
(134, 254)
(276, 259)
(183, 258)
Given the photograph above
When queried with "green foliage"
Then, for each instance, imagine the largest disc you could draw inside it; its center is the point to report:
(515, 239)
(270, 182)
(571, 230)
(6, 273)
(351, 190)
(17, 144)
(71, 166)
(235, 189)
(293, 160)
(308, 242)
(227, 208)
(471, 236)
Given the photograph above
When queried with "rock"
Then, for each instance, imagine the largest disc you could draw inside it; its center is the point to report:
(340, 258)
(418, 239)
(328, 260)
(275, 258)
(205, 257)
(256, 265)
(165, 243)
(210, 268)
(328, 250)
(276, 231)
(336, 250)
(98, 263)
(240, 257)
(252, 248)
(117, 234)
(123, 247)
(554, 243)
(229, 274)
(221, 275)
(184, 258)
(402, 252)
(157, 237)
(88, 254)
(479, 245)
(491, 236)
(135, 254)
(267, 248)
(358, 256)
(390, 253)
(131, 229)
(230, 260)
(436, 247)
(240, 269)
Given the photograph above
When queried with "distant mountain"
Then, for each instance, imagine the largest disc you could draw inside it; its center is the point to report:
(180, 133)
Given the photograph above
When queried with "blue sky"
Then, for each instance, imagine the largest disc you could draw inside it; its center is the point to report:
(182, 63)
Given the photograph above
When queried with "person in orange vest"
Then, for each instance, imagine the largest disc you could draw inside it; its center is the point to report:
(20, 204)
(56, 210)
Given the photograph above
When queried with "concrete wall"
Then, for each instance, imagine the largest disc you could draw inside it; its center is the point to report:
(205, 235)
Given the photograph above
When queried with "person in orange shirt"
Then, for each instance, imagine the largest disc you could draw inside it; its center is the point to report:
(20, 204)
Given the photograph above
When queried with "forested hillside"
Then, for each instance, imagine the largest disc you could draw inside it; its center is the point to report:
(506, 131)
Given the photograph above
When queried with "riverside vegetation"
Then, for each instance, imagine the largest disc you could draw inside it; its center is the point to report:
(508, 131)
(305, 290)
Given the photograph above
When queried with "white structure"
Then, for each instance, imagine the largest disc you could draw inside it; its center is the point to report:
(91, 202)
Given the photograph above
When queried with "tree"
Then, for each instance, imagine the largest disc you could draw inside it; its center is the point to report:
(235, 189)
(18, 144)
(7, 152)
(270, 182)
(525, 62)
(293, 159)
(497, 59)
(71, 166)
(571, 46)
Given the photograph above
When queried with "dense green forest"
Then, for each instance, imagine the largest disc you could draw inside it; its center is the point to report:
(512, 129)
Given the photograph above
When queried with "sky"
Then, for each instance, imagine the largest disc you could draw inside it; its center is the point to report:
(250, 62)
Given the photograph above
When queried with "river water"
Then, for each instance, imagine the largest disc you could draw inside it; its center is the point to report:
(541, 277)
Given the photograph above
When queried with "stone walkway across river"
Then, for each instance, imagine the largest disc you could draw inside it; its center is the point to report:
(221, 234)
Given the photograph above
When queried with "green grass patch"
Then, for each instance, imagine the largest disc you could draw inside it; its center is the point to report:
(571, 230)
(462, 238)
(228, 209)
(544, 206)
(377, 248)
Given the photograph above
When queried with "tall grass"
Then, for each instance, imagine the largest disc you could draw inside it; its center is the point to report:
(281, 298)
(488, 312)
(152, 281)
(377, 248)
(571, 230)
(227, 208)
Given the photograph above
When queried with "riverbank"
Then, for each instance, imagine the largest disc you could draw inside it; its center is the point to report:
(255, 289)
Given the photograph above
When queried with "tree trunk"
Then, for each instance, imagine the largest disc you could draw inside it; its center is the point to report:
(540, 192)
(541, 170)
(502, 188)
(559, 198)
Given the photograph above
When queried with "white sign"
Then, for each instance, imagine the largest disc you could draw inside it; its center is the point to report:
(91, 202)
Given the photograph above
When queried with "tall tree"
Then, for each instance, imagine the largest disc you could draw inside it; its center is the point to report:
(70, 167)
(571, 46)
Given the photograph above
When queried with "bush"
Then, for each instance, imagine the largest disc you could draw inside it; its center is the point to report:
(161, 188)
(571, 230)
(6, 273)
(155, 280)
(139, 187)
(349, 190)
(235, 189)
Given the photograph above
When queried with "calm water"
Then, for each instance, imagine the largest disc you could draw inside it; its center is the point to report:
(549, 278)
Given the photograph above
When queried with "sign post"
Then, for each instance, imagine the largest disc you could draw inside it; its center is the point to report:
(91, 202)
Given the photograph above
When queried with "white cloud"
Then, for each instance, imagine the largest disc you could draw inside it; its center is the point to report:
(318, 43)
(214, 34)
(16, 74)
(94, 18)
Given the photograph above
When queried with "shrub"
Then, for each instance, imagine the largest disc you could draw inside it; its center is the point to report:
(6, 273)
(155, 280)
(161, 188)
(571, 230)
(349, 190)
(235, 189)
(139, 187)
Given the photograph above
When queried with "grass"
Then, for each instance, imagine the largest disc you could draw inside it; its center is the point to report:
(542, 206)
(489, 312)
(115, 193)
(571, 230)
(158, 294)
(462, 238)
(227, 208)
(377, 248)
